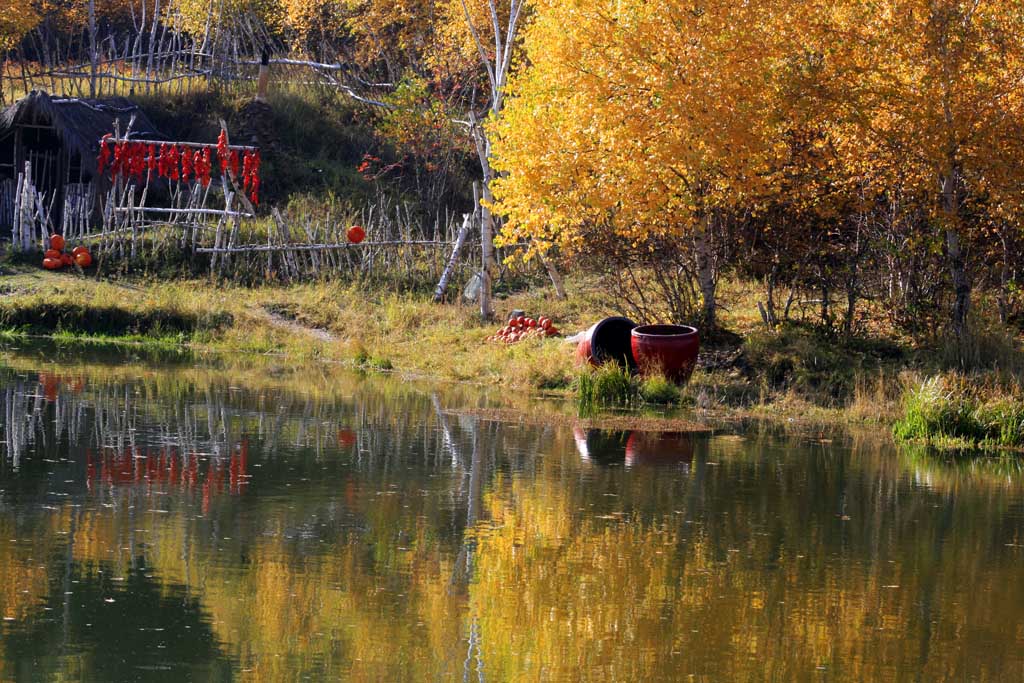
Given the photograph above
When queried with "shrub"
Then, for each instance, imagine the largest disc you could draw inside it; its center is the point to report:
(659, 390)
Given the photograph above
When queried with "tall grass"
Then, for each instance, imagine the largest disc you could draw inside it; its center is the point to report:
(609, 385)
(952, 410)
(612, 386)
(983, 347)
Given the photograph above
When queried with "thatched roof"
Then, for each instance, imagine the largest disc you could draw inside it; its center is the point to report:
(79, 122)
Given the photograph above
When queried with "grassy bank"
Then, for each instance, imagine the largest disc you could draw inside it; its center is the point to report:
(955, 412)
(796, 372)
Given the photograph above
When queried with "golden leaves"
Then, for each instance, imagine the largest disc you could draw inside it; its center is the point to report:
(634, 114)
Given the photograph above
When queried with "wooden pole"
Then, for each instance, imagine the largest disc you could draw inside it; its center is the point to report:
(442, 286)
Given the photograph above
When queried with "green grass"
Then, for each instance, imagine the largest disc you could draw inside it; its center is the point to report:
(66, 319)
(658, 390)
(613, 386)
(607, 386)
(952, 412)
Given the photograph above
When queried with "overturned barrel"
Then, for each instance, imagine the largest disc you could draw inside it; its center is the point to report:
(608, 340)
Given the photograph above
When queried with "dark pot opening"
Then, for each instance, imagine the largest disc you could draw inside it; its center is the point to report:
(610, 341)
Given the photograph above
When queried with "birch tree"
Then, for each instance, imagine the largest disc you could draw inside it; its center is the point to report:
(647, 119)
(496, 59)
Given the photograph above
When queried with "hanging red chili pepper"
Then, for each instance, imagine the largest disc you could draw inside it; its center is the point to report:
(222, 151)
(172, 163)
(203, 164)
(117, 168)
(151, 160)
(246, 169)
(186, 163)
(233, 164)
(255, 182)
(139, 161)
(161, 163)
(104, 158)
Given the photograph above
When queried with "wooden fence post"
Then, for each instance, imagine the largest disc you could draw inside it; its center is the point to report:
(442, 286)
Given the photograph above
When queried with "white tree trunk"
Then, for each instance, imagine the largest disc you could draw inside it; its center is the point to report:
(497, 68)
(93, 54)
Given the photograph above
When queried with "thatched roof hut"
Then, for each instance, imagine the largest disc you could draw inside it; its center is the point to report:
(60, 137)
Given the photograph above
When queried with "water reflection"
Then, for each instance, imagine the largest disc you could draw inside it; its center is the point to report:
(198, 523)
(633, 447)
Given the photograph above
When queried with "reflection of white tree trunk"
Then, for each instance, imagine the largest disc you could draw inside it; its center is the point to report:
(476, 476)
(69, 558)
(474, 498)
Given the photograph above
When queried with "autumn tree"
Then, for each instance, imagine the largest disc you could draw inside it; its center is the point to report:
(16, 19)
(641, 118)
(931, 92)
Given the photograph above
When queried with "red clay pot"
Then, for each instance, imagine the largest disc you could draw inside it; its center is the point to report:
(670, 349)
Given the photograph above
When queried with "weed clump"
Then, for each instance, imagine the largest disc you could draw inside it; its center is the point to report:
(657, 389)
(607, 386)
(952, 412)
(612, 386)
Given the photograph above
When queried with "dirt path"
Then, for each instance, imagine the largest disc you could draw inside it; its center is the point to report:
(284, 322)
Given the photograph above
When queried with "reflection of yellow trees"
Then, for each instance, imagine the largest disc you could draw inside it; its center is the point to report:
(606, 598)
(765, 582)
(23, 574)
(562, 590)
(346, 611)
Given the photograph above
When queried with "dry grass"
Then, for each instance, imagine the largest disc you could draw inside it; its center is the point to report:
(793, 372)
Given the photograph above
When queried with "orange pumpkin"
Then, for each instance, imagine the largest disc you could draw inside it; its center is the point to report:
(66, 259)
(52, 263)
(79, 250)
(56, 242)
(83, 259)
(355, 234)
(51, 253)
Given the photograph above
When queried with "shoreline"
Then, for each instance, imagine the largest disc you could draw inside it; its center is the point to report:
(793, 376)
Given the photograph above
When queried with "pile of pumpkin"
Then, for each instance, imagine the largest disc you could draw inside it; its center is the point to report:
(55, 258)
(521, 327)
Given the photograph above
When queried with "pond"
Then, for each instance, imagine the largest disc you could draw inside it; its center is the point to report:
(185, 519)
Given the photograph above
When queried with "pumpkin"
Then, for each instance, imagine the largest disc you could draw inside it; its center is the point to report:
(56, 242)
(355, 234)
(66, 259)
(52, 263)
(51, 253)
(79, 250)
(83, 259)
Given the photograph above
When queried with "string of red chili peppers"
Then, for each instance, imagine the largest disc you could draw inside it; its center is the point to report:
(179, 162)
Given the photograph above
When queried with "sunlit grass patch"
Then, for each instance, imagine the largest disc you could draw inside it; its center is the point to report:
(952, 410)
(657, 389)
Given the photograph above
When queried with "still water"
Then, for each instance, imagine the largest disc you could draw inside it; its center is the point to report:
(188, 522)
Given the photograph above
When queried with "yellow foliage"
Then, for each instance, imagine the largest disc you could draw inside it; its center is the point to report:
(16, 19)
(199, 16)
(642, 116)
(635, 114)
